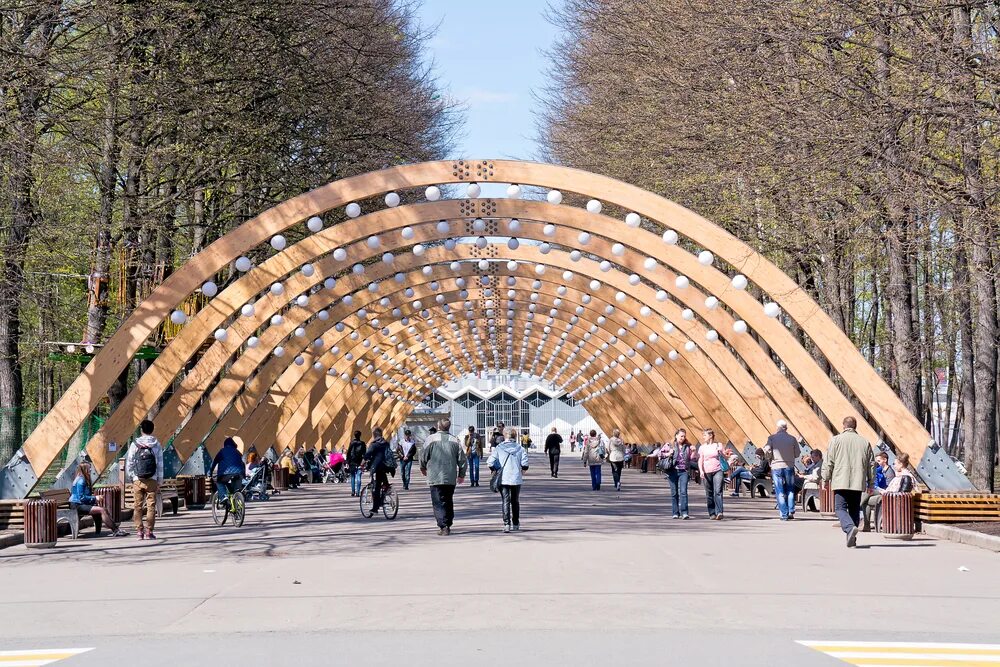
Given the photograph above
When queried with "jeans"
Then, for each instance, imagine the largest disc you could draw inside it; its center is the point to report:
(554, 462)
(474, 470)
(510, 500)
(355, 474)
(847, 505)
(713, 482)
(616, 473)
(678, 492)
(784, 490)
(227, 484)
(404, 472)
(443, 499)
(595, 477)
(737, 476)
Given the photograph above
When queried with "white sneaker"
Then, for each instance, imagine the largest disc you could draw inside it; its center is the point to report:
(676, 516)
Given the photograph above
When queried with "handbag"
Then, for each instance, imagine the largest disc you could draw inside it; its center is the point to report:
(667, 463)
(496, 479)
(723, 463)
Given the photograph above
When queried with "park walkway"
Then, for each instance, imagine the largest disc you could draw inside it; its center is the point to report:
(592, 577)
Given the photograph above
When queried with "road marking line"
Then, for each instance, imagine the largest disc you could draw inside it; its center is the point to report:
(38, 657)
(909, 654)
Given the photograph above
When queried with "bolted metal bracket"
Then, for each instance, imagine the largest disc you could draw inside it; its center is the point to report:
(17, 478)
(200, 463)
(938, 471)
(172, 464)
(64, 479)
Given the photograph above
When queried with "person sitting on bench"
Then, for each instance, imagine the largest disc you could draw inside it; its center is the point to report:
(81, 499)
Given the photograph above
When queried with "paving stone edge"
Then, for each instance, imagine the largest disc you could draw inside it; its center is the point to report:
(970, 537)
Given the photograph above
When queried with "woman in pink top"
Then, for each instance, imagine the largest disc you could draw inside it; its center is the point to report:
(710, 454)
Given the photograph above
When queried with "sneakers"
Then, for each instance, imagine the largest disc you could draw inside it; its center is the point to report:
(685, 517)
(791, 517)
(506, 528)
(119, 533)
(150, 535)
(141, 533)
(852, 537)
(515, 528)
(676, 516)
(734, 495)
(447, 530)
(718, 517)
(440, 531)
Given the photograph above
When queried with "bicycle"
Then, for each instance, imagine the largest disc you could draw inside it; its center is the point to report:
(235, 504)
(390, 501)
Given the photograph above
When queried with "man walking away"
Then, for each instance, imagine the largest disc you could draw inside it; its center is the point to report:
(407, 450)
(473, 444)
(847, 468)
(443, 463)
(355, 458)
(553, 447)
(380, 460)
(144, 462)
(781, 448)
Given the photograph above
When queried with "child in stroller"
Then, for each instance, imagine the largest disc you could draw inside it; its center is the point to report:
(336, 470)
(258, 482)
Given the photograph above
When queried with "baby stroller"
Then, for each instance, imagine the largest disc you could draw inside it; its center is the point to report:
(258, 484)
(336, 471)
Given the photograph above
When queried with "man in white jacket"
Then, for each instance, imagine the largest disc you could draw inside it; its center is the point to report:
(144, 463)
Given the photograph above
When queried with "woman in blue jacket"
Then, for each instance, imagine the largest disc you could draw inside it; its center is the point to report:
(81, 498)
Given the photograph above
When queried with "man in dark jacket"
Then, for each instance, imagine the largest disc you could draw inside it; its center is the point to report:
(377, 459)
(228, 465)
(355, 458)
(553, 447)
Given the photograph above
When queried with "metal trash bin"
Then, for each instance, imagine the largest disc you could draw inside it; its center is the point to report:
(110, 498)
(40, 528)
(280, 479)
(897, 516)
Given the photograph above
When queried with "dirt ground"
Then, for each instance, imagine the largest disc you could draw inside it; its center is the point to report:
(987, 527)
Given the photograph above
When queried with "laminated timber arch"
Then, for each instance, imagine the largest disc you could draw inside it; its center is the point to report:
(654, 266)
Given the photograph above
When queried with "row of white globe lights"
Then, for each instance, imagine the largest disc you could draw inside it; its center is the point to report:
(433, 193)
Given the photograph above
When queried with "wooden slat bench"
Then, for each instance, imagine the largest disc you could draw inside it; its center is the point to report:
(955, 506)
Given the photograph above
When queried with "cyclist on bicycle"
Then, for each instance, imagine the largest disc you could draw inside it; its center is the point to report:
(380, 460)
(229, 464)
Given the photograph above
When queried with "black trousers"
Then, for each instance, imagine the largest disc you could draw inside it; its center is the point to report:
(443, 499)
(616, 472)
(510, 498)
(554, 461)
(847, 505)
(381, 480)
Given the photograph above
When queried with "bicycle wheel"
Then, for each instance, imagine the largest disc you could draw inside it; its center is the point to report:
(219, 511)
(367, 502)
(239, 505)
(390, 504)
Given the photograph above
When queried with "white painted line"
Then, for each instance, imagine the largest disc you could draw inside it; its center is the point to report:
(883, 645)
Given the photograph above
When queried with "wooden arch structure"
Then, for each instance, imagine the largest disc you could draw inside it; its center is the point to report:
(651, 332)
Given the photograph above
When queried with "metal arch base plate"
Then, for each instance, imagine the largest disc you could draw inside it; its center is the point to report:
(17, 477)
(200, 463)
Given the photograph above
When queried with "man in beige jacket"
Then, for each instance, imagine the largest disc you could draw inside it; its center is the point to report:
(848, 468)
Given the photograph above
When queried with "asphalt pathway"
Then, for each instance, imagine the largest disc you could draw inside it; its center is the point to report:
(593, 578)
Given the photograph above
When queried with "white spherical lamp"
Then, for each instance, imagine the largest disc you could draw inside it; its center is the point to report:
(479, 225)
(178, 317)
(690, 346)
(300, 332)
(687, 314)
(673, 355)
(739, 326)
(549, 230)
(670, 237)
(682, 282)
(432, 193)
(705, 258)
(473, 190)
(247, 310)
(277, 320)
(388, 258)
(221, 335)
(634, 279)
(594, 206)
(450, 244)
(419, 250)
(633, 220)
(649, 264)
(392, 200)
(302, 300)
(554, 197)
(340, 254)
(711, 335)
(308, 270)
(209, 289)
(513, 244)
(277, 289)
(545, 248)
(253, 341)
(278, 242)
(712, 303)
(374, 241)
(353, 210)
(314, 224)
(512, 265)
(279, 351)
(513, 191)
(771, 309)
(243, 264)
(583, 238)
(740, 281)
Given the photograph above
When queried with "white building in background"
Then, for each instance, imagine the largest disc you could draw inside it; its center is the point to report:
(516, 400)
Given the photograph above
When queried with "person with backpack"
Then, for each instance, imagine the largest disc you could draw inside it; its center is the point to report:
(443, 463)
(406, 449)
(676, 460)
(381, 461)
(473, 444)
(593, 456)
(712, 465)
(144, 463)
(355, 460)
(510, 460)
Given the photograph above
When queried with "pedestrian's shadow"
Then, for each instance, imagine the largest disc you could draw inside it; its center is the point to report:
(897, 545)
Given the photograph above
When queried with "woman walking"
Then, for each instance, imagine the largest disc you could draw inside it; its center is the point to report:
(677, 458)
(593, 456)
(511, 459)
(711, 456)
(616, 456)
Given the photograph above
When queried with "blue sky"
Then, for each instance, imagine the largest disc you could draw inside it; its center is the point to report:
(488, 54)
